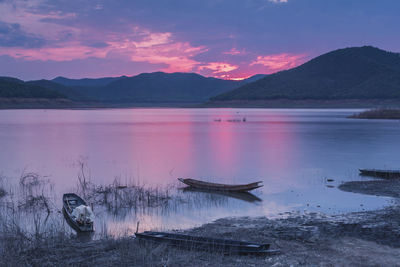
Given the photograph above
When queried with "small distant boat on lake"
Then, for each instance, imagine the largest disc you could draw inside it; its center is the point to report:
(381, 173)
(220, 187)
(205, 243)
(77, 214)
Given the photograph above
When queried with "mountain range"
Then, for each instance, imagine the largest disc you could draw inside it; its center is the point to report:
(15, 88)
(358, 73)
(351, 73)
(157, 87)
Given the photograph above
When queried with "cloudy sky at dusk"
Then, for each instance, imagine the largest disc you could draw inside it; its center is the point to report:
(220, 38)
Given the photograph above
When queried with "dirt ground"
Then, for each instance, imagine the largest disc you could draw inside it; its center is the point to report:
(355, 239)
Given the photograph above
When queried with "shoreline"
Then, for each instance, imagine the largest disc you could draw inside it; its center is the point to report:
(306, 103)
(358, 238)
(65, 104)
(35, 103)
(382, 114)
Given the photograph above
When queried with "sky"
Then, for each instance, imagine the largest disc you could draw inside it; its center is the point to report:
(229, 39)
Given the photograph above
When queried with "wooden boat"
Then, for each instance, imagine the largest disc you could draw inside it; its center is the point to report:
(245, 196)
(205, 243)
(70, 202)
(220, 187)
(380, 173)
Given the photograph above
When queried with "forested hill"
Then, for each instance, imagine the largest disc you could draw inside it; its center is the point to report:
(14, 88)
(156, 87)
(351, 73)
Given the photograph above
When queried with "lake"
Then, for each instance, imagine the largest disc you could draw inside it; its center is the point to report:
(293, 151)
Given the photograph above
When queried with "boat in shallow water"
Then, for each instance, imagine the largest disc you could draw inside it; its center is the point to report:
(77, 214)
(205, 243)
(220, 187)
(380, 173)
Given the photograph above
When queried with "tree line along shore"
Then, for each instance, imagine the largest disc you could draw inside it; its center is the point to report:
(383, 113)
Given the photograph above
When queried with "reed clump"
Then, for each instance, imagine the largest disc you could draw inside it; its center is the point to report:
(3, 192)
(34, 192)
(118, 196)
(33, 233)
(28, 225)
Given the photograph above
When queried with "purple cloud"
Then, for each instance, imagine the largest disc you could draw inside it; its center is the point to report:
(226, 38)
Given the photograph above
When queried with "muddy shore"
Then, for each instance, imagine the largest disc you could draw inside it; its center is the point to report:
(370, 238)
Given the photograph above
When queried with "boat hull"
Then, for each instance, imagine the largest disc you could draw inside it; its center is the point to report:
(205, 243)
(220, 187)
(67, 210)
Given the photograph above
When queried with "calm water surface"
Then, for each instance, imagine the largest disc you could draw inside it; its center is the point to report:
(293, 151)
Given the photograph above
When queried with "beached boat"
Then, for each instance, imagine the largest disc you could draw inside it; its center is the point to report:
(205, 243)
(220, 187)
(77, 214)
(381, 173)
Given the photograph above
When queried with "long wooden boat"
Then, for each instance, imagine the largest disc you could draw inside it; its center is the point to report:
(220, 187)
(205, 243)
(70, 202)
(380, 173)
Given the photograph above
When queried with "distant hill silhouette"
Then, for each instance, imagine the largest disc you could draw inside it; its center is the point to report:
(156, 87)
(148, 88)
(254, 78)
(165, 87)
(92, 82)
(351, 73)
(15, 88)
(69, 92)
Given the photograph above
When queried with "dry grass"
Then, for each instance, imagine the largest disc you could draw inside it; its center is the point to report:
(34, 192)
(63, 251)
(34, 233)
(3, 191)
(34, 237)
(120, 198)
(50, 244)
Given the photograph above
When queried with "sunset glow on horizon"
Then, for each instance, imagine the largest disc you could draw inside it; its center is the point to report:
(44, 39)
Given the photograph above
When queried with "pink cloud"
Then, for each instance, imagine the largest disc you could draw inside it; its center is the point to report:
(177, 55)
(133, 43)
(128, 43)
(138, 44)
(278, 62)
(218, 67)
(230, 77)
(70, 51)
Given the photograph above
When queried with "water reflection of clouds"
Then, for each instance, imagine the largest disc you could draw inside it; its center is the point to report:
(292, 151)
